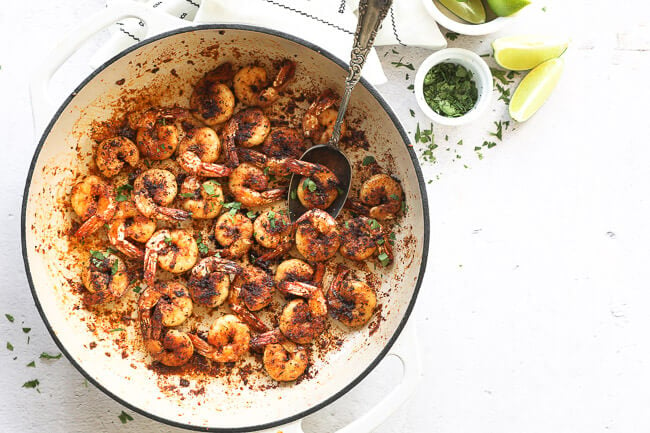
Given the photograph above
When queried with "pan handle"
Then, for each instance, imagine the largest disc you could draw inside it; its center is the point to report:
(406, 349)
(43, 105)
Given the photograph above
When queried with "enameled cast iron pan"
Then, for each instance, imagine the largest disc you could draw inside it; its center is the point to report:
(53, 269)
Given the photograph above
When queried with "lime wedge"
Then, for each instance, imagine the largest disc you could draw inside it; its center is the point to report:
(471, 11)
(520, 53)
(535, 89)
(505, 8)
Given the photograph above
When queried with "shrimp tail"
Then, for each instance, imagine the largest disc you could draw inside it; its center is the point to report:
(275, 194)
(229, 133)
(270, 337)
(248, 155)
(201, 346)
(91, 225)
(357, 207)
(285, 75)
(297, 288)
(175, 214)
(249, 318)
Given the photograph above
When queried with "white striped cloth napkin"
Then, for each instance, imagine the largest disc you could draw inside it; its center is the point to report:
(329, 24)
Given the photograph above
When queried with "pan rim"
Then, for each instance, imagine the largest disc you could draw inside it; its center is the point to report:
(425, 211)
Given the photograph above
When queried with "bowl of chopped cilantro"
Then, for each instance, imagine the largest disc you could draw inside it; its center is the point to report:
(453, 86)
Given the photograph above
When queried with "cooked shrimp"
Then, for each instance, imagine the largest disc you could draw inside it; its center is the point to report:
(350, 301)
(165, 305)
(176, 251)
(105, 278)
(272, 229)
(302, 321)
(283, 142)
(384, 196)
(157, 136)
(283, 360)
(202, 199)
(212, 101)
(252, 127)
(129, 223)
(234, 233)
(153, 190)
(174, 350)
(274, 166)
(209, 281)
(92, 200)
(293, 270)
(251, 84)
(360, 237)
(256, 287)
(248, 184)
(318, 122)
(238, 307)
(319, 188)
(317, 235)
(228, 340)
(198, 151)
(112, 153)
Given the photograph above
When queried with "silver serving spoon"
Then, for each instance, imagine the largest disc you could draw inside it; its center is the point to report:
(371, 14)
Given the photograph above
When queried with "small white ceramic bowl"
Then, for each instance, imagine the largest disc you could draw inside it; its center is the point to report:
(448, 20)
(480, 74)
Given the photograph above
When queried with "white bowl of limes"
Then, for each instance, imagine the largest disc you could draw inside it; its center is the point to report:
(474, 17)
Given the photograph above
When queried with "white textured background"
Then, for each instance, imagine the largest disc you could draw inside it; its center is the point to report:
(535, 312)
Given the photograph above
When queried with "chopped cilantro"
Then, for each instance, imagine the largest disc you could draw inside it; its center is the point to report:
(45, 355)
(499, 132)
(32, 364)
(125, 417)
(9, 317)
(26, 330)
(412, 112)
(403, 65)
(294, 194)
(31, 384)
(10, 346)
(117, 330)
(452, 36)
(383, 258)
(310, 185)
(168, 240)
(209, 187)
(251, 215)
(368, 160)
(186, 194)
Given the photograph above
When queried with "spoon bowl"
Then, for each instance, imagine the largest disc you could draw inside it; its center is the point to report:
(335, 160)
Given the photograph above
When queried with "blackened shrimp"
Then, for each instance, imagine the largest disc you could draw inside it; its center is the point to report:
(350, 301)
(383, 195)
(105, 278)
(252, 127)
(362, 237)
(129, 223)
(112, 153)
(301, 321)
(238, 307)
(317, 235)
(320, 186)
(93, 201)
(256, 286)
(318, 122)
(234, 233)
(155, 189)
(157, 134)
(228, 340)
(198, 151)
(160, 306)
(212, 101)
(283, 360)
(175, 251)
(249, 184)
(273, 231)
(293, 270)
(202, 199)
(251, 84)
(209, 281)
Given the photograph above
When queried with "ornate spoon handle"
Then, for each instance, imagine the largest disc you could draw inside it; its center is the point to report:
(371, 14)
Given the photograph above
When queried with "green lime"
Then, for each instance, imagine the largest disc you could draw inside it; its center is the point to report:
(505, 8)
(535, 89)
(471, 11)
(520, 53)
